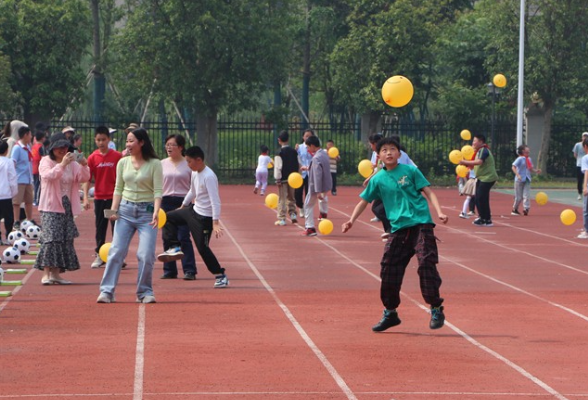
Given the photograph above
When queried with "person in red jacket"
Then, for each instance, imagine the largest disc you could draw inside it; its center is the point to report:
(102, 163)
(37, 152)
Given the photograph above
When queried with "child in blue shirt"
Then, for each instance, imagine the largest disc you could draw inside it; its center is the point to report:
(401, 187)
(522, 168)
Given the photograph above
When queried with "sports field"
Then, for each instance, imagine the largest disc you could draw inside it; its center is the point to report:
(295, 322)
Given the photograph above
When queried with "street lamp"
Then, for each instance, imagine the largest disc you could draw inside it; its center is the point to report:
(493, 91)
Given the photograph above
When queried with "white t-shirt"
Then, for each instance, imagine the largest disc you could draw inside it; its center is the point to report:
(262, 162)
(204, 189)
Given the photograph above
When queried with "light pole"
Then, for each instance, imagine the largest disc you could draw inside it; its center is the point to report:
(493, 91)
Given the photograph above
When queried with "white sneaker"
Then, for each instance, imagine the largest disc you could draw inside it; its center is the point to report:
(97, 263)
(463, 215)
(301, 213)
(147, 299)
(171, 254)
(375, 219)
(583, 235)
(579, 197)
(470, 213)
(221, 281)
(280, 222)
(105, 298)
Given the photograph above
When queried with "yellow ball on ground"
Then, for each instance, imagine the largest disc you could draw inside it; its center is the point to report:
(465, 134)
(467, 152)
(455, 156)
(499, 80)
(103, 252)
(397, 91)
(333, 152)
(295, 180)
(162, 218)
(541, 198)
(271, 200)
(568, 217)
(325, 227)
(461, 171)
(365, 168)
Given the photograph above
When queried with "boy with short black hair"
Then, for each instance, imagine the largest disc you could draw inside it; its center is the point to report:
(285, 163)
(202, 218)
(403, 189)
(102, 163)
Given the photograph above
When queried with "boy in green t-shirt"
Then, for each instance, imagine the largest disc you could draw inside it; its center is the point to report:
(401, 188)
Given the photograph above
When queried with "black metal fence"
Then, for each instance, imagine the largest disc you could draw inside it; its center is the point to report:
(427, 143)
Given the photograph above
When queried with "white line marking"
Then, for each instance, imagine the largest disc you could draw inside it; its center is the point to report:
(318, 353)
(139, 355)
(479, 345)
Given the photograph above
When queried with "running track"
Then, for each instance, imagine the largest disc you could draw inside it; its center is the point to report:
(295, 322)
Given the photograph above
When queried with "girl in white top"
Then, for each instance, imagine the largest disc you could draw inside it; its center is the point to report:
(262, 170)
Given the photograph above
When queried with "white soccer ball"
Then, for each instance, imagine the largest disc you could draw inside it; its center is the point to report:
(14, 236)
(11, 255)
(24, 225)
(33, 232)
(22, 245)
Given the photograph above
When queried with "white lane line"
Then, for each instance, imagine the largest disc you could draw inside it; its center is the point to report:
(517, 289)
(139, 355)
(473, 341)
(309, 342)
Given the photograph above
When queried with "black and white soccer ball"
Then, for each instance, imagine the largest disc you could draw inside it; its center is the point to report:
(33, 232)
(22, 245)
(24, 225)
(11, 255)
(14, 236)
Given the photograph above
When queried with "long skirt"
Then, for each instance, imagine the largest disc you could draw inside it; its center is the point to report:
(57, 240)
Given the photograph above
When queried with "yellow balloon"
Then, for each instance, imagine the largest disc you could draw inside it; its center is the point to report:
(541, 198)
(397, 91)
(365, 168)
(499, 80)
(270, 165)
(103, 252)
(465, 134)
(467, 152)
(325, 227)
(162, 218)
(295, 180)
(271, 200)
(333, 152)
(568, 217)
(455, 156)
(461, 171)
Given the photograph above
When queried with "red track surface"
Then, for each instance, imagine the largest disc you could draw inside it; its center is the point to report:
(295, 322)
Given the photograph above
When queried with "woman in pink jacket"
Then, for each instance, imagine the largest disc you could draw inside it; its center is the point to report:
(60, 201)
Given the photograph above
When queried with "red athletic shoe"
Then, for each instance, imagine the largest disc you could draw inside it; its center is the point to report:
(309, 232)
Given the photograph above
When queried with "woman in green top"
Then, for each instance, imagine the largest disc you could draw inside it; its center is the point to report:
(136, 200)
(485, 169)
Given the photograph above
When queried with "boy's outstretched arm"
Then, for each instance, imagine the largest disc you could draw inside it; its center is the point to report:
(356, 213)
(432, 198)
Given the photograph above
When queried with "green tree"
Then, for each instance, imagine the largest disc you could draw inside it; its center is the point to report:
(206, 56)
(45, 42)
(556, 50)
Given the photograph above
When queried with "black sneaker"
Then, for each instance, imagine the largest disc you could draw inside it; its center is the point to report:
(16, 226)
(488, 223)
(526, 212)
(189, 276)
(515, 212)
(437, 317)
(389, 320)
(479, 222)
(168, 276)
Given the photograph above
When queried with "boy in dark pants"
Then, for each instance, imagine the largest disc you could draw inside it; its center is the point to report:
(102, 163)
(202, 217)
(401, 188)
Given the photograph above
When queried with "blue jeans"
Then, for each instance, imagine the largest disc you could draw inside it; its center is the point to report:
(132, 217)
(585, 212)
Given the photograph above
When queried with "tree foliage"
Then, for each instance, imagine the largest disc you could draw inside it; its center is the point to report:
(45, 41)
